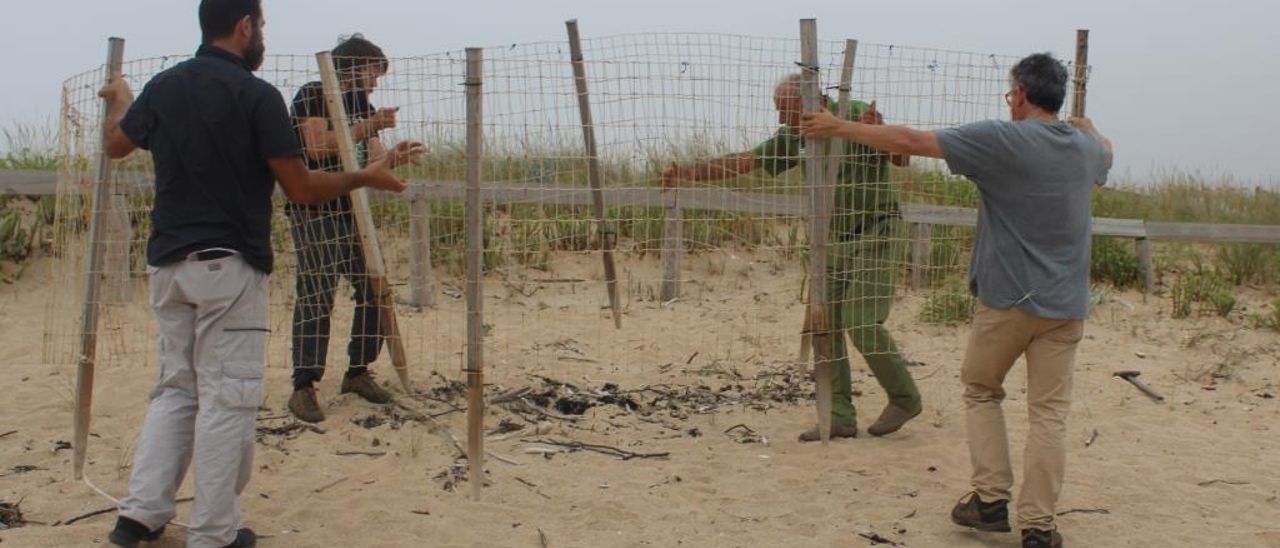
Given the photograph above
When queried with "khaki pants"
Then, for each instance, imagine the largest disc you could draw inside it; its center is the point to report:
(212, 319)
(996, 341)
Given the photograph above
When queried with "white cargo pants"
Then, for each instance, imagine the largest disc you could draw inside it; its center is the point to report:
(212, 318)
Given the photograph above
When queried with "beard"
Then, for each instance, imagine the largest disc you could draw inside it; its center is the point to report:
(257, 51)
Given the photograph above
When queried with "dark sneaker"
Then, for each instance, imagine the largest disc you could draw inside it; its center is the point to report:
(1037, 538)
(892, 419)
(837, 431)
(971, 512)
(304, 405)
(245, 538)
(129, 533)
(365, 386)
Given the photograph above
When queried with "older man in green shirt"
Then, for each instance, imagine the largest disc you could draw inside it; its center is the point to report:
(865, 250)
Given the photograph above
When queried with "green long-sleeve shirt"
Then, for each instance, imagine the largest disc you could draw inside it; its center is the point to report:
(863, 191)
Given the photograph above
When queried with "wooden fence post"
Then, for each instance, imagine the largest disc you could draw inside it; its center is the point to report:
(672, 244)
(821, 183)
(1145, 266)
(921, 249)
(93, 280)
(1081, 83)
(422, 281)
(475, 273)
(608, 237)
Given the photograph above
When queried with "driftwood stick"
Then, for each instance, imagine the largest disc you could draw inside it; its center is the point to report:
(532, 487)
(877, 538)
(1085, 511)
(509, 395)
(329, 485)
(602, 449)
(360, 453)
(1222, 481)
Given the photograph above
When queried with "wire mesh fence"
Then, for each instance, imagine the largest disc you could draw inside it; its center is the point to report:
(716, 266)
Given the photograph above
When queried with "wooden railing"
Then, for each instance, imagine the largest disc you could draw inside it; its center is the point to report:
(922, 217)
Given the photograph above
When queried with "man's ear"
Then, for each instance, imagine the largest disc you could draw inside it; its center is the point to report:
(244, 28)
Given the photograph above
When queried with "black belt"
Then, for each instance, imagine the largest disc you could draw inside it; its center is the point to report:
(211, 255)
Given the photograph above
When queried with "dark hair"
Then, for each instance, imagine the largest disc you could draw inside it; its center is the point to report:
(355, 52)
(1044, 78)
(218, 18)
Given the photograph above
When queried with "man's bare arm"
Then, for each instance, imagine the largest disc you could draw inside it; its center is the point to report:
(320, 143)
(310, 187)
(892, 139)
(717, 169)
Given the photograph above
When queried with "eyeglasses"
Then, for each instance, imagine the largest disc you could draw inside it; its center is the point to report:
(1009, 95)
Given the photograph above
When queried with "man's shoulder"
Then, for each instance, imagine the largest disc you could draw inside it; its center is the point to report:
(308, 92)
(183, 69)
(780, 137)
(309, 100)
(314, 86)
(981, 130)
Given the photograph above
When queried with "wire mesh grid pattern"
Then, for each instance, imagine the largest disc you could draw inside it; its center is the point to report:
(657, 99)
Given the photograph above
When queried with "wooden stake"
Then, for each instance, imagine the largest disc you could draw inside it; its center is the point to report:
(475, 273)
(921, 248)
(117, 242)
(93, 280)
(833, 164)
(672, 245)
(422, 279)
(374, 266)
(608, 237)
(821, 194)
(1082, 73)
(1145, 266)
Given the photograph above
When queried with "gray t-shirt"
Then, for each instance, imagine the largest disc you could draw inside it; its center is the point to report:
(1036, 182)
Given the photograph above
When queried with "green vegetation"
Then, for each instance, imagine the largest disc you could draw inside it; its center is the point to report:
(1114, 261)
(1202, 290)
(1269, 320)
(528, 235)
(950, 306)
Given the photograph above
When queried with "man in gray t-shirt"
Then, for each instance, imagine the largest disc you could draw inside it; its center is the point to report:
(1030, 271)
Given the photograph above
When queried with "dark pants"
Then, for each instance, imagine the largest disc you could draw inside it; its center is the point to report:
(328, 248)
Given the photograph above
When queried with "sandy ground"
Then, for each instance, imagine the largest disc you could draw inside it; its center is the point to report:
(1200, 469)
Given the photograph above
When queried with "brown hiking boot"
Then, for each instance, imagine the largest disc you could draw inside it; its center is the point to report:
(971, 512)
(837, 431)
(365, 386)
(304, 405)
(1038, 538)
(892, 419)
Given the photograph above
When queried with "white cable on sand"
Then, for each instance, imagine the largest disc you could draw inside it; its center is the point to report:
(117, 501)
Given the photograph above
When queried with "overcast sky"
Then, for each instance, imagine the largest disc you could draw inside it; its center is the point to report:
(1178, 85)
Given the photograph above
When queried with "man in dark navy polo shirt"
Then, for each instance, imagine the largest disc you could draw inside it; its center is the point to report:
(220, 138)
